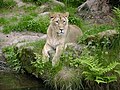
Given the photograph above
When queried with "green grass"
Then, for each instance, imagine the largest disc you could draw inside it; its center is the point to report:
(3, 21)
(38, 46)
(37, 2)
(72, 3)
(30, 8)
(6, 21)
(28, 23)
(94, 29)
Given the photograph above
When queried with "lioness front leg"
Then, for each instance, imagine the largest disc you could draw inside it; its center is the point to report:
(45, 52)
(59, 50)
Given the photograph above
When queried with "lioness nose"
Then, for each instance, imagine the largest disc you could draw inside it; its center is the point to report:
(61, 29)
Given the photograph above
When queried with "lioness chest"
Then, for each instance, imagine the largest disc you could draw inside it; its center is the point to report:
(54, 42)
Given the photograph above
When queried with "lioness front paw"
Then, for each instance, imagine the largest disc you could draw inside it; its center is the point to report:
(54, 63)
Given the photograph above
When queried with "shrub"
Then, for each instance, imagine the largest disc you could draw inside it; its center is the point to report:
(11, 56)
(7, 3)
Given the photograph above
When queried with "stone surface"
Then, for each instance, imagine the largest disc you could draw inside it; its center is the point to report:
(95, 11)
(17, 37)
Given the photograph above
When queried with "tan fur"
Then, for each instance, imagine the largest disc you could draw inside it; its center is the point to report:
(59, 34)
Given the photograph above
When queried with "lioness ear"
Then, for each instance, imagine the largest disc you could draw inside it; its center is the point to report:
(66, 14)
(51, 14)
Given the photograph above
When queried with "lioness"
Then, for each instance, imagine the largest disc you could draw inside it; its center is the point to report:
(59, 34)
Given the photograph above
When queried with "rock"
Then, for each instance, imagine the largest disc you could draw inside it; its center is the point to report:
(45, 8)
(3, 65)
(20, 37)
(57, 3)
(26, 57)
(20, 3)
(100, 35)
(95, 11)
(44, 14)
(108, 33)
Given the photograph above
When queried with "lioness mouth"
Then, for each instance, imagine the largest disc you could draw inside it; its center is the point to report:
(60, 33)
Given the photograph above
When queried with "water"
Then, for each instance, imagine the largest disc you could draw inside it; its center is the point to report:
(13, 81)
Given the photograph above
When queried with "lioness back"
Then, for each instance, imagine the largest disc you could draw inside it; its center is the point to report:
(73, 33)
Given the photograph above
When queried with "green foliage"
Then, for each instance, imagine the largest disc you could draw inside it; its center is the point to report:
(73, 3)
(30, 9)
(93, 30)
(93, 68)
(75, 21)
(11, 56)
(95, 71)
(57, 9)
(39, 64)
(6, 21)
(117, 18)
(38, 46)
(3, 21)
(28, 23)
(7, 3)
(38, 2)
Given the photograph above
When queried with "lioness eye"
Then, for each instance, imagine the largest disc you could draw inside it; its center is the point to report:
(56, 22)
(64, 22)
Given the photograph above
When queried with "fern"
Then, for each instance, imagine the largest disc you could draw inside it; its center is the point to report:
(95, 71)
(117, 19)
(11, 55)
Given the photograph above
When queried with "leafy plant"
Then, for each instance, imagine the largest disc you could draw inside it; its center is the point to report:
(95, 71)
(11, 56)
(39, 64)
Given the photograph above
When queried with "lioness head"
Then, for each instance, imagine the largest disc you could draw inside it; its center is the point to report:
(60, 22)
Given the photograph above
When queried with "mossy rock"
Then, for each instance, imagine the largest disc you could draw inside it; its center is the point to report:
(61, 76)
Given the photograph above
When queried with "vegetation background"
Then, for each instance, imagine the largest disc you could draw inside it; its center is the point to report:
(97, 67)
